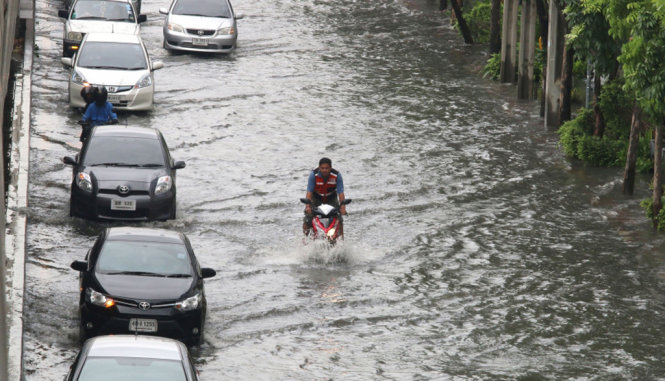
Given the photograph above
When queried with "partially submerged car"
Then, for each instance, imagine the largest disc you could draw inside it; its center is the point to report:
(132, 358)
(119, 62)
(123, 173)
(145, 281)
(98, 16)
(200, 26)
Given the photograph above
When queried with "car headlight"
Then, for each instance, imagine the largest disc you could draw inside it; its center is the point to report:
(189, 304)
(84, 182)
(175, 28)
(145, 81)
(227, 30)
(78, 78)
(99, 299)
(164, 184)
(74, 36)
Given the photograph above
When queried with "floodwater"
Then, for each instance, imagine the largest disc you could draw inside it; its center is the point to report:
(473, 251)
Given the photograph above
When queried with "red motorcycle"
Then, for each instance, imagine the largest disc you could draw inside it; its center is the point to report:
(327, 222)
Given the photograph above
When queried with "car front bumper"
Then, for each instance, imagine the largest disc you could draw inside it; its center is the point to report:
(192, 43)
(135, 99)
(98, 206)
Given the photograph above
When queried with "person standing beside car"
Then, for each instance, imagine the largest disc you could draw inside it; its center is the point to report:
(324, 186)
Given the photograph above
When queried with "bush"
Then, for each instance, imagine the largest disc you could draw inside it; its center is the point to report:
(479, 22)
(492, 69)
(647, 205)
(616, 106)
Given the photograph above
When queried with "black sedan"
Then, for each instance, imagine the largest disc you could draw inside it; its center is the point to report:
(142, 280)
(124, 173)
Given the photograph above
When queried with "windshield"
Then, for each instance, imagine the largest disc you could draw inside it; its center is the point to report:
(112, 55)
(207, 8)
(103, 10)
(131, 369)
(124, 151)
(144, 258)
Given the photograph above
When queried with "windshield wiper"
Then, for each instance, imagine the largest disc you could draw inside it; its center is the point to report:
(151, 165)
(106, 67)
(146, 273)
(178, 276)
(91, 18)
(115, 165)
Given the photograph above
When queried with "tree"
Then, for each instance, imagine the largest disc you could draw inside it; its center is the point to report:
(495, 27)
(464, 28)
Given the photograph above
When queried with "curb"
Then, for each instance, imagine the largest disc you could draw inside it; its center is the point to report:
(17, 203)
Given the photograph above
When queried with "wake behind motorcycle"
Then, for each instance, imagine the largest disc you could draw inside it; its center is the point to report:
(326, 222)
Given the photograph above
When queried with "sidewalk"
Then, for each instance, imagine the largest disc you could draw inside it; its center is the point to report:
(17, 203)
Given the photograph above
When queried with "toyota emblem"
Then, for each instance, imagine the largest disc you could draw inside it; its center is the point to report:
(200, 33)
(123, 189)
(144, 306)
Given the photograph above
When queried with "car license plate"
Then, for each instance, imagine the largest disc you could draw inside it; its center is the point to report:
(200, 41)
(143, 325)
(119, 204)
(113, 98)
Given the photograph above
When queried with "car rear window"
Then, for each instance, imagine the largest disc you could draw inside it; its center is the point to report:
(103, 10)
(150, 257)
(131, 369)
(206, 8)
(112, 56)
(122, 150)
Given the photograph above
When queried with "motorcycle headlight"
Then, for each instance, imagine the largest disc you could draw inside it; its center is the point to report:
(145, 81)
(74, 36)
(78, 78)
(164, 184)
(175, 28)
(331, 232)
(189, 304)
(84, 182)
(227, 30)
(99, 299)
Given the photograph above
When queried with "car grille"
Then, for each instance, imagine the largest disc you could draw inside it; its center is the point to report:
(135, 304)
(131, 192)
(138, 214)
(116, 89)
(200, 32)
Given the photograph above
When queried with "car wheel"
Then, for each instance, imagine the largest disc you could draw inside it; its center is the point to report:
(172, 215)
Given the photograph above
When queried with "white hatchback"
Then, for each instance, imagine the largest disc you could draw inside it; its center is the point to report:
(119, 62)
(86, 16)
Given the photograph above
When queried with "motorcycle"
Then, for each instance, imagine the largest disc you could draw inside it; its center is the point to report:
(326, 222)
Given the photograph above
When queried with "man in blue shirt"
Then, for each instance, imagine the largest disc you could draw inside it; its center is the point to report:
(99, 112)
(324, 186)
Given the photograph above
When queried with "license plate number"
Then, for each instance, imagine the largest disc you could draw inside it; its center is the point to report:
(143, 325)
(123, 204)
(114, 98)
(200, 41)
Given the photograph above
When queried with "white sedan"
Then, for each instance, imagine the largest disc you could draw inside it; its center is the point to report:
(119, 62)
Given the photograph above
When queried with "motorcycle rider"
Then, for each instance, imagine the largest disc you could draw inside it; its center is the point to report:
(324, 186)
(99, 112)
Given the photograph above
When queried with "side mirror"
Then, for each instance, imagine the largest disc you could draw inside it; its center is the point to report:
(208, 272)
(306, 201)
(63, 14)
(79, 266)
(69, 160)
(179, 165)
(67, 61)
(142, 18)
(157, 65)
(239, 16)
(346, 201)
(164, 11)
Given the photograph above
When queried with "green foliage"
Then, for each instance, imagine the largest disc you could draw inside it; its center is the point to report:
(493, 67)
(617, 108)
(572, 132)
(479, 22)
(647, 205)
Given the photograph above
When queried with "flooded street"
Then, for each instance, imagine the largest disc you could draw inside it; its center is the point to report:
(473, 249)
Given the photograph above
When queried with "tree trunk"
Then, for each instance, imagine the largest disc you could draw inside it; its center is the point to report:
(495, 27)
(657, 170)
(464, 28)
(443, 5)
(566, 83)
(599, 121)
(631, 157)
(542, 16)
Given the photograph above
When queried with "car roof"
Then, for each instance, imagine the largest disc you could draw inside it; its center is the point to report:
(113, 37)
(144, 234)
(153, 347)
(126, 131)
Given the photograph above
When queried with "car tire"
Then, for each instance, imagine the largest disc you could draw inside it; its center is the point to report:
(82, 335)
(71, 208)
(172, 215)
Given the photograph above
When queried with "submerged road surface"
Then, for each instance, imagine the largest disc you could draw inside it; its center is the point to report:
(473, 251)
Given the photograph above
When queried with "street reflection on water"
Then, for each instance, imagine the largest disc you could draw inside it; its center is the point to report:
(473, 249)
